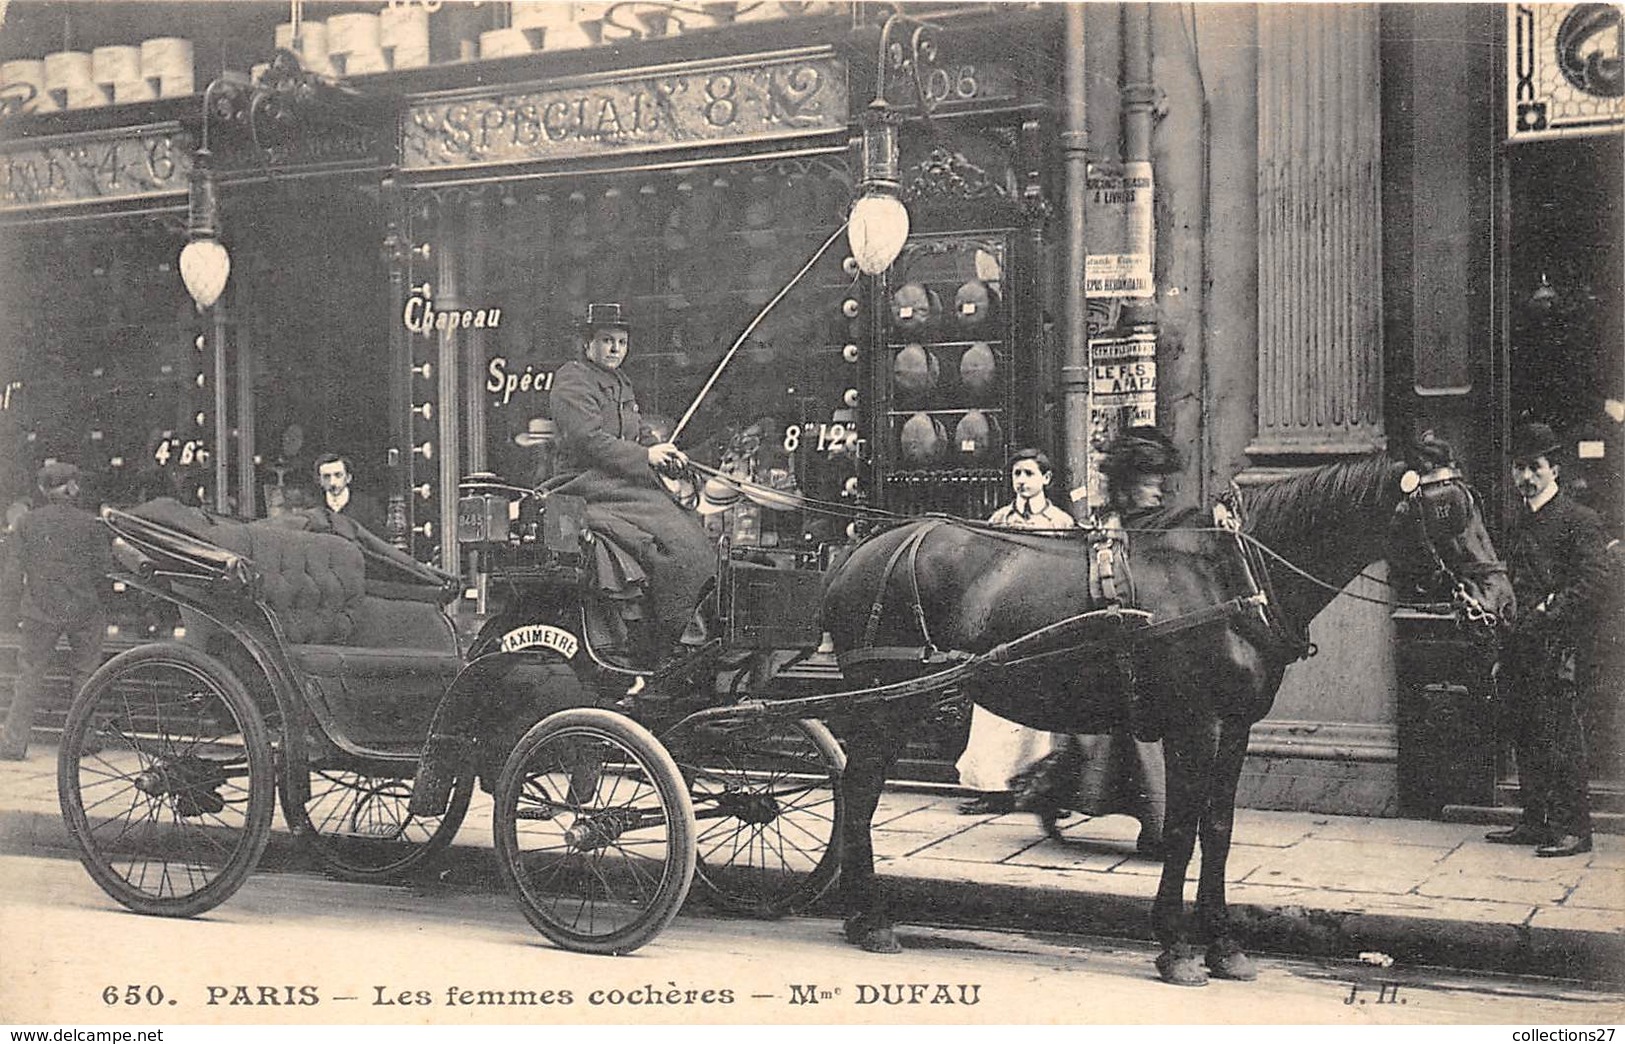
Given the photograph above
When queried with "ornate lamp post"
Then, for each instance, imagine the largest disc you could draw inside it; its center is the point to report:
(878, 225)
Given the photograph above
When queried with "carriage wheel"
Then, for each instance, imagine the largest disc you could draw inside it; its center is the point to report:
(166, 780)
(768, 802)
(594, 831)
(358, 824)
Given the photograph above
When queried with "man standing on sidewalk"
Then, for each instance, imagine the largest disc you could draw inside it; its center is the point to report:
(55, 571)
(1557, 566)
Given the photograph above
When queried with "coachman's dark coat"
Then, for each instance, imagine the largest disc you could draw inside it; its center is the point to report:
(602, 446)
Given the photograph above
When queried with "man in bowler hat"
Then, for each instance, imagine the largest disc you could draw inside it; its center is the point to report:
(55, 572)
(1558, 567)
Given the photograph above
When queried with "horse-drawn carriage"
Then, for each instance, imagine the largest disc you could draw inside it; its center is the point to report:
(337, 672)
(325, 672)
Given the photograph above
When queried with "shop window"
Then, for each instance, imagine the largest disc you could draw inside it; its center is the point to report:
(945, 383)
(693, 255)
(99, 367)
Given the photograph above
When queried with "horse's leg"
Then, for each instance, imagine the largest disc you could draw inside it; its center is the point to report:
(1189, 748)
(871, 748)
(1225, 958)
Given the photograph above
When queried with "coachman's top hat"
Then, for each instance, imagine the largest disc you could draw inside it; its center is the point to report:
(602, 314)
(1532, 440)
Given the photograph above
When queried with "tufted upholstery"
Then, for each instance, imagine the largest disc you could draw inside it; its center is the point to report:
(379, 664)
(315, 583)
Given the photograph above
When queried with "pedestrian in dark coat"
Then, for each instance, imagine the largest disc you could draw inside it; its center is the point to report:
(612, 456)
(1558, 566)
(56, 570)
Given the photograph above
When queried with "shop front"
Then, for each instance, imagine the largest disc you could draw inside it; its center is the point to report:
(710, 196)
(108, 363)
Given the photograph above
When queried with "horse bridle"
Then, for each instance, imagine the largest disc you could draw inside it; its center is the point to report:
(1443, 496)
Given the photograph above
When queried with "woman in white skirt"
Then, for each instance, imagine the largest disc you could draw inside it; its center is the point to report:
(999, 749)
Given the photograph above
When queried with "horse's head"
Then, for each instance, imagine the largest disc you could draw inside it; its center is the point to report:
(1440, 516)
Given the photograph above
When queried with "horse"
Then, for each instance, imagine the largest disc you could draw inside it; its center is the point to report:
(1193, 649)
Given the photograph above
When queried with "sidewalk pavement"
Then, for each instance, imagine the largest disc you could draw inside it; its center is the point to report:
(1307, 884)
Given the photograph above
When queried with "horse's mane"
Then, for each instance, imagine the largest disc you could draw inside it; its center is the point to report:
(1317, 500)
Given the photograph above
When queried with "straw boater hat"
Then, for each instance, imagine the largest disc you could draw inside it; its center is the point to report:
(537, 431)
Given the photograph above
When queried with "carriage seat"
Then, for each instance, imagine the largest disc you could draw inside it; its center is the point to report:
(379, 652)
(314, 584)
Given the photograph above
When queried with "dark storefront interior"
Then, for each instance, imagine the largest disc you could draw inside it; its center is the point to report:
(1568, 315)
(1567, 359)
(311, 331)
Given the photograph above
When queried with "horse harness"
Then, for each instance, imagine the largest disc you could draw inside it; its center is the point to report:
(1443, 496)
(1106, 625)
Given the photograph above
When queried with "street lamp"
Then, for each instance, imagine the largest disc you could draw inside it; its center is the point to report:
(205, 265)
(878, 225)
(282, 94)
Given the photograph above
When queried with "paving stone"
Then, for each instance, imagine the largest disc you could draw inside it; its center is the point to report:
(1505, 862)
(1273, 829)
(1070, 855)
(1347, 866)
(1115, 829)
(1051, 881)
(1453, 885)
(1397, 831)
(1466, 911)
(894, 807)
(896, 844)
(1601, 888)
(1608, 850)
(1266, 897)
(1569, 919)
(929, 817)
(987, 842)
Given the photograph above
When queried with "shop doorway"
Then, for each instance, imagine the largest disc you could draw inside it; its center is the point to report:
(311, 338)
(1566, 366)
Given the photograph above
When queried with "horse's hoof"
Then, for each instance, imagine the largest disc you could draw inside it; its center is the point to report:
(1231, 963)
(879, 940)
(1179, 967)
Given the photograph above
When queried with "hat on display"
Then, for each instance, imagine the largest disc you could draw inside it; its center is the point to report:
(56, 474)
(717, 495)
(537, 431)
(605, 313)
(1534, 439)
(1144, 449)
